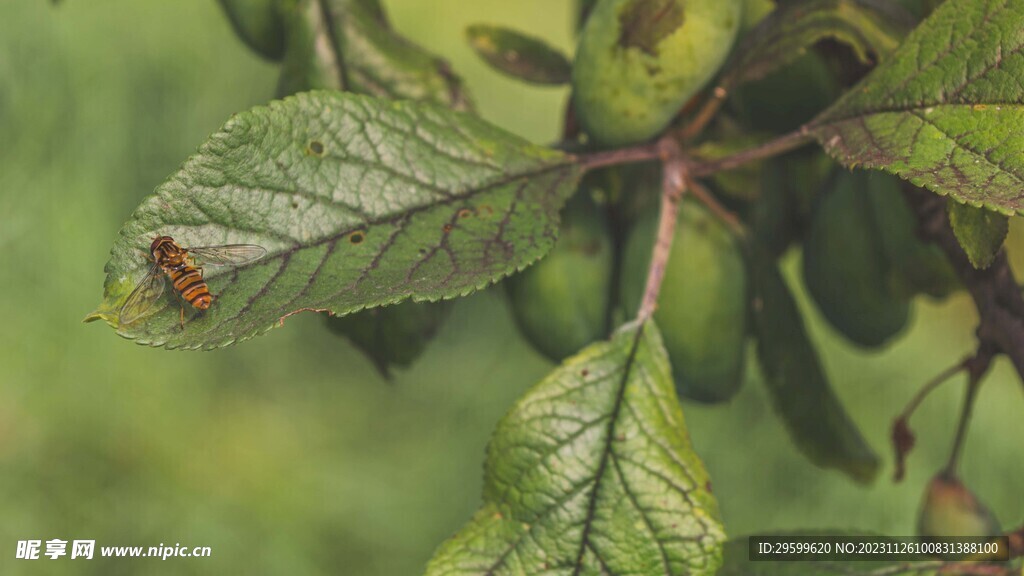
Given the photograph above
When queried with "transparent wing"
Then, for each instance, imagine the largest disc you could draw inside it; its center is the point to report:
(228, 255)
(142, 297)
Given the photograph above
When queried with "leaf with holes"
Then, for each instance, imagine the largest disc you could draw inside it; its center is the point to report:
(980, 232)
(945, 110)
(360, 202)
(872, 28)
(592, 472)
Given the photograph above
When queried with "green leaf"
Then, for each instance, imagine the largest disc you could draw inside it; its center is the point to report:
(980, 232)
(348, 44)
(392, 335)
(309, 60)
(945, 110)
(592, 472)
(360, 203)
(796, 381)
(518, 55)
(258, 24)
(872, 28)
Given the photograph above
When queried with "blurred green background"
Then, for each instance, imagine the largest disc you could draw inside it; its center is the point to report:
(288, 454)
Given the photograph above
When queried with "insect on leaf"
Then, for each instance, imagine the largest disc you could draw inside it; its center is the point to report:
(592, 472)
(359, 202)
(945, 110)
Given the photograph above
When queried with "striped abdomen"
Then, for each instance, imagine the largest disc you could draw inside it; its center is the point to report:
(190, 284)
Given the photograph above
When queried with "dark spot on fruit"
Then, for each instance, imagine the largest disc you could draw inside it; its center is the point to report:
(645, 23)
(295, 205)
(707, 486)
(357, 237)
(316, 148)
(584, 372)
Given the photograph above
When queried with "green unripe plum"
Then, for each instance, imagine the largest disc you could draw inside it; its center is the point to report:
(950, 509)
(702, 307)
(787, 98)
(639, 61)
(845, 265)
(916, 267)
(560, 304)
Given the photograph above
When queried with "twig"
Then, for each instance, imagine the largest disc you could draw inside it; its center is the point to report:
(633, 154)
(902, 437)
(673, 187)
(729, 218)
(994, 290)
(706, 113)
(976, 369)
(771, 148)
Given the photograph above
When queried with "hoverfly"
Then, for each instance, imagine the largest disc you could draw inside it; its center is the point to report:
(178, 264)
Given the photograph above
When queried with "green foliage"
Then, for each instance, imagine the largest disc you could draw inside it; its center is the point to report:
(592, 472)
(348, 44)
(702, 312)
(846, 268)
(872, 28)
(980, 232)
(457, 204)
(915, 267)
(796, 381)
(518, 55)
(630, 79)
(258, 24)
(944, 111)
(787, 97)
(392, 335)
(309, 63)
(561, 304)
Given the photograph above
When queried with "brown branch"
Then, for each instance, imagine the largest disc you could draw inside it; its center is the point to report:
(780, 145)
(706, 113)
(994, 290)
(631, 155)
(673, 188)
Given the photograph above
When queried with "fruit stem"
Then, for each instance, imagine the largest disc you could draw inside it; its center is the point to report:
(708, 199)
(703, 116)
(902, 437)
(965, 419)
(674, 177)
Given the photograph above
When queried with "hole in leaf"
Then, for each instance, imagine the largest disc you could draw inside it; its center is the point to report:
(316, 148)
(357, 237)
(465, 213)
